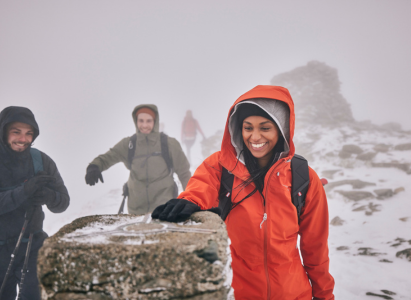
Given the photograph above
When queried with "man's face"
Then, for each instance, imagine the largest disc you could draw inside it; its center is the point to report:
(145, 123)
(19, 136)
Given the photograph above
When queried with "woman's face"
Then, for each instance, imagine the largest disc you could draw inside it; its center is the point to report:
(260, 135)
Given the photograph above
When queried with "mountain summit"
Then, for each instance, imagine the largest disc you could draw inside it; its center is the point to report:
(315, 89)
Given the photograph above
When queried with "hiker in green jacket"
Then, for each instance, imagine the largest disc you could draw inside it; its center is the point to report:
(151, 180)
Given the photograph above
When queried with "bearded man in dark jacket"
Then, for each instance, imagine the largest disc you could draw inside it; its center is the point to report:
(22, 190)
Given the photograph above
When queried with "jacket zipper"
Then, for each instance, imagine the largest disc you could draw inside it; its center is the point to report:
(263, 222)
(265, 257)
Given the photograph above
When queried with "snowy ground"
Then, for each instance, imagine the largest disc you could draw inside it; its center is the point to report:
(356, 274)
(375, 224)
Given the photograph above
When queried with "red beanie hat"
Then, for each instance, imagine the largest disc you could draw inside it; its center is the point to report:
(147, 111)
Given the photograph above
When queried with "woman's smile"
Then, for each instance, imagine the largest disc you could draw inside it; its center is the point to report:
(258, 147)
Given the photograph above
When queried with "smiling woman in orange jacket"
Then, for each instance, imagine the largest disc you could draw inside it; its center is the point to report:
(263, 225)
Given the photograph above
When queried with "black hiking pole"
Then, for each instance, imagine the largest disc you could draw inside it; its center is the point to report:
(24, 270)
(125, 195)
(27, 217)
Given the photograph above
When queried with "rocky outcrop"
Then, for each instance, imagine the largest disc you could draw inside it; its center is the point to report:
(393, 164)
(315, 89)
(384, 193)
(337, 221)
(391, 126)
(367, 156)
(382, 148)
(356, 195)
(211, 144)
(406, 253)
(368, 251)
(355, 184)
(380, 295)
(329, 174)
(403, 147)
(399, 190)
(368, 209)
(128, 257)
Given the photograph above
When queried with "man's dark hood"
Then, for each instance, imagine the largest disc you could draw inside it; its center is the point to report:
(16, 114)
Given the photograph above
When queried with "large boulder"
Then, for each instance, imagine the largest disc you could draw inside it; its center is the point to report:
(315, 89)
(134, 257)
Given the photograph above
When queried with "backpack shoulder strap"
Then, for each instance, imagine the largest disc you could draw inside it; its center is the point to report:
(131, 150)
(37, 160)
(300, 182)
(165, 152)
(226, 187)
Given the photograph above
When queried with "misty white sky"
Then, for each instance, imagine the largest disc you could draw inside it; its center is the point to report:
(82, 66)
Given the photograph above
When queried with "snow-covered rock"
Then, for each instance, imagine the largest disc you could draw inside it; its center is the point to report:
(135, 257)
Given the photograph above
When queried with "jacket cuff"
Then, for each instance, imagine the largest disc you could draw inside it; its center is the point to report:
(56, 201)
(19, 196)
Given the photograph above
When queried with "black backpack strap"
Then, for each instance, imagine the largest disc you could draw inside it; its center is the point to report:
(37, 160)
(300, 182)
(165, 153)
(131, 150)
(226, 187)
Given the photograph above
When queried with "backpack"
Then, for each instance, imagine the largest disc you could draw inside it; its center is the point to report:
(164, 153)
(299, 186)
(37, 166)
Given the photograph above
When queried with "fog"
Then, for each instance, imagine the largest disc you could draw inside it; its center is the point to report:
(82, 66)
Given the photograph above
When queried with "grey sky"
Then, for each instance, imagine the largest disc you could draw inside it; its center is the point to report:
(82, 66)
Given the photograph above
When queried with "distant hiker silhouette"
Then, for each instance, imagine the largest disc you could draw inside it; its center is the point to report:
(189, 132)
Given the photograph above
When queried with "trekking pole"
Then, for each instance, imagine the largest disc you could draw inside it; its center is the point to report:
(27, 217)
(125, 195)
(25, 270)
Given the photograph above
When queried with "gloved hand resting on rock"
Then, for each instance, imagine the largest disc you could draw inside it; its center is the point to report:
(178, 210)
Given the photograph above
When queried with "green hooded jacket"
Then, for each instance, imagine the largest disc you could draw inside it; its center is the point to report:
(150, 183)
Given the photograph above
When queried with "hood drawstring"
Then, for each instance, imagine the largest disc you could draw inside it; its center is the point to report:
(264, 219)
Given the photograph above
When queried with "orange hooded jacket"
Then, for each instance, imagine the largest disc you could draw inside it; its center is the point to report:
(265, 258)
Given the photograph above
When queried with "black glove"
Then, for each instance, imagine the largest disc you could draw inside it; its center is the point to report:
(179, 210)
(175, 210)
(39, 181)
(93, 175)
(43, 196)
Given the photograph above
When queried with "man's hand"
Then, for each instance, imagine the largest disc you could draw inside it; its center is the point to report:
(93, 175)
(39, 181)
(43, 196)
